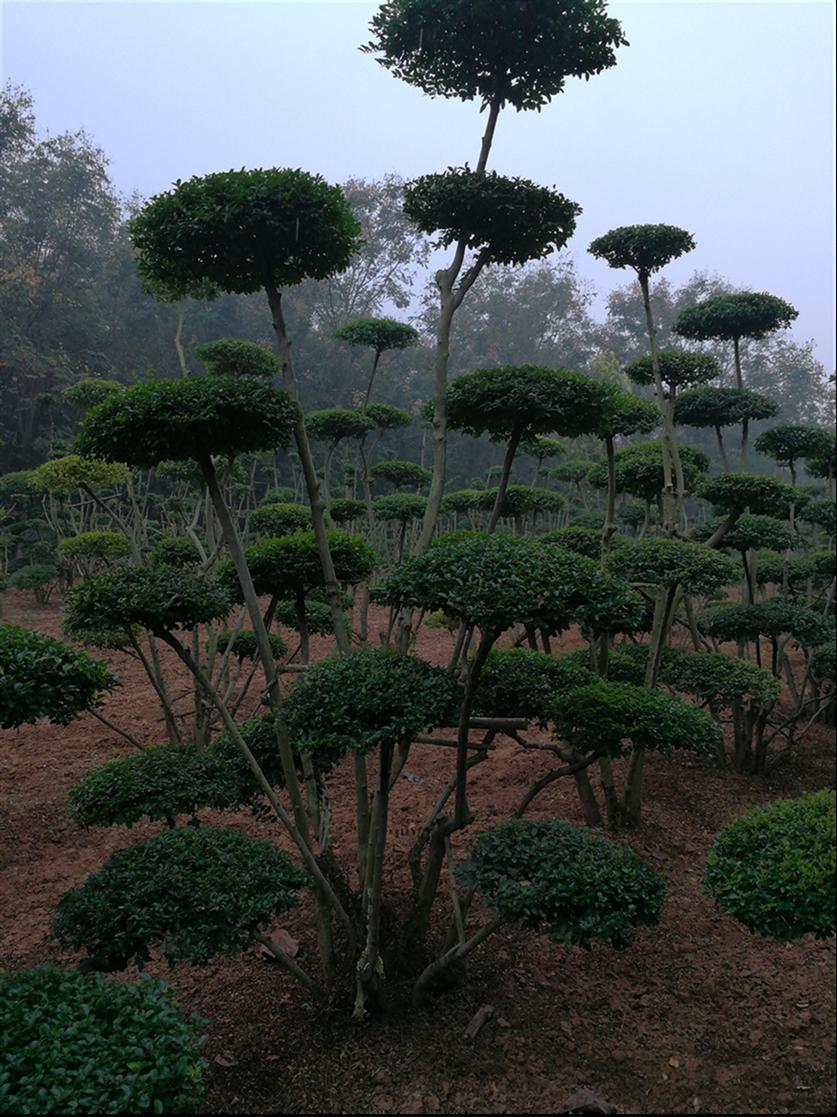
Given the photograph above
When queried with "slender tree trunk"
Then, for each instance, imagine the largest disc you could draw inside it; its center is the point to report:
(722, 449)
(511, 449)
(178, 344)
(609, 529)
(668, 442)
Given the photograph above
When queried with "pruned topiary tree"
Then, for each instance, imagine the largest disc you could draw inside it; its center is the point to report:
(380, 335)
(722, 407)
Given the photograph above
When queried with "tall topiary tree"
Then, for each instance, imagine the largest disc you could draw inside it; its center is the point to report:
(722, 407)
(735, 317)
(645, 249)
(500, 56)
(380, 335)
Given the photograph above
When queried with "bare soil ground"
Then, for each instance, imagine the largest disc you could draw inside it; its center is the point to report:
(698, 1016)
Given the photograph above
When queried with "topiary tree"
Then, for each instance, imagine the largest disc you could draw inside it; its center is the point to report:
(821, 513)
(380, 335)
(344, 509)
(400, 473)
(773, 869)
(583, 540)
(639, 469)
(679, 368)
(732, 493)
(735, 317)
(541, 449)
(279, 519)
(174, 550)
(787, 443)
(400, 508)
(229, 356)
(520, 401)
(625, 415)
(39, 577)
(332, 426)
(519, 501)
(78, 1043)
(487, 52)
(91, 390)
(722, 407)
(646, 249)
(42, 678)
(89, 551)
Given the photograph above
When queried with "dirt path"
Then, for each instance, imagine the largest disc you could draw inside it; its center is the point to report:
(697, 1016)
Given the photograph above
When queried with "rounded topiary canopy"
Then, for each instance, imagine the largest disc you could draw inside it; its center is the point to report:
(638, 469)
(603, 717)
(572, 471)
(583, 540)
(628, 414)
(195, 893)
(462, 500)
(400, 473)
(403, 507)
(677, 367)
(671, 562)
(731, 317)
(645, 248)
(42, 678)
(244, 644)
(159, 598)
(777, 568)
(106, 545)
(539, 447)
(733, 492)
(368, 698)
(335, 423)
(279, 519)
(282, 566)
(751, 532)
(467, 49)
(520, 499)
(518, 400)
(344, 509)
(823, 513)
(504, 220)
(722, 407)
(80, 1043)
(522, 682)
(788, 442)
(174, 550)
(716, 677)
(773, 869)
(495, 581)
(91, 390)
(245, 230)
(379, 334)
(65, 475)
(192, 418)
(824, 662)
(773, 618)
(229, 356)
(824, 463)
(385, 417)
(564, 881)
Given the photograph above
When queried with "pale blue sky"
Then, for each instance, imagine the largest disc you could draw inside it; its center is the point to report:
(718, 118)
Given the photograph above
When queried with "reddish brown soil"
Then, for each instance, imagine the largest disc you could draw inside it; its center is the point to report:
(697, 1016)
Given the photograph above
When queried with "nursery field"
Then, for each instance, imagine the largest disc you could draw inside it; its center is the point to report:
(699, 1015)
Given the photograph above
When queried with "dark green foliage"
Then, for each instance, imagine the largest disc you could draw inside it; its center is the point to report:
(400, 473)
(193, 418)
(788, 442)
(280, 566)
(751, 532)
(718, 678)
(159, 598)
(158, 783)
(259, 735)
(279, 519)
(344, 509)
(43, 678)
(518, 500)
(722, 407)
(564, 881)
(459, 48)
(174, 550)
(504, 220)
(245, 645)
(823, 464)
(824, 662)
(229, 356)
(403, 507)
(525, 399)
(822, 513)
(38, 577)
(671, 562)
(335, 423)
(245, 230)
(677, 367)
(733, 492)
(386, 417)
(645, 248)
(283, 495)
(197, 893)
(771, 566)
(318, 616)
(638, 469)
(582, 540)
(379, 334)
(604, 716)
(495, 581)
(461, 501)
(365, 699)
(521, 682)
(774, 618)
(76, 1043)
(773, 869)
(91, 390)
(824, 566)
(65, 475)
(628, 414)
(541, 448)
(572, 471)
(631, 513)
(741, 314)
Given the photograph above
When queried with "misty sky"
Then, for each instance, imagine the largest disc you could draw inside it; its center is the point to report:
(717, 118)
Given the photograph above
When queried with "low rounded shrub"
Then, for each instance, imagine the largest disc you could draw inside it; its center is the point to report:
(368, 698)
(281, 565)
(39, 577)
(564, 881)
(773, 869)
(583, 540)
(195, 892)
(522, 682)
(344, 509)
(76, 1043)
(230, 356)
(42, 678)
(174, 550)
(107, 546)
